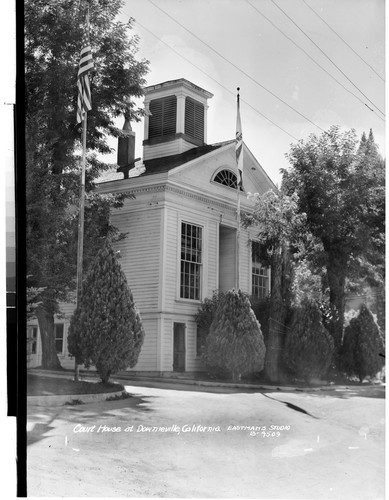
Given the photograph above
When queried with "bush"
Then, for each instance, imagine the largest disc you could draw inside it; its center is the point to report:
(363, 346)
(235, 340)
(261, 308)
(308, 346)
(206, 315)
(106, 329)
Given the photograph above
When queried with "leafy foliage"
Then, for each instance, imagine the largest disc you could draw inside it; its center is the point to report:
(363, 346)
(340, 186)
(206, 315)
(106, 329)
(277, 221)
(235, 340)
(32, 299)
(308, 346)
(261, 309)
(280, 229)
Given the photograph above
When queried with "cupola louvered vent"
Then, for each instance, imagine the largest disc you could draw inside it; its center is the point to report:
(177, 120)
(163, 119)
(194, 119)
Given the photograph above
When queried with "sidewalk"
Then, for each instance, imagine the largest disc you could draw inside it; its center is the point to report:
(126, 378)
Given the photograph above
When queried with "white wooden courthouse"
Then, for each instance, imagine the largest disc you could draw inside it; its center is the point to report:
(181, 227)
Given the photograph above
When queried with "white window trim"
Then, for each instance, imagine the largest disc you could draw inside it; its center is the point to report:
(268, 287)
(185, 220)
(60, 353)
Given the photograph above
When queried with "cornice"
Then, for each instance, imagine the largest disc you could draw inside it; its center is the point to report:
(209, 200)
(181, 191)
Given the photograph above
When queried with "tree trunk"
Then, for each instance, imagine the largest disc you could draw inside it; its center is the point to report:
(46, 326)
(280, 280)
(76, 371)
(336, 275)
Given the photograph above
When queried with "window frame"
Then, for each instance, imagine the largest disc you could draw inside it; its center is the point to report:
(259, 280)
(233, 178)
(192, 266)
(32, 340)
(57, 339)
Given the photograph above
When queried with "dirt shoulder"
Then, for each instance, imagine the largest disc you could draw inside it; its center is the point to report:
(40, 385)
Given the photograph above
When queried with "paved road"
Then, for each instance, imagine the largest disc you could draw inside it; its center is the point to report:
(179, 441)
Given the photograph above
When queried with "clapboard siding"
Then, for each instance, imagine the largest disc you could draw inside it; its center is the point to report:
(140, 254)
(171, 259)
(192, 362)
(227, 258)
(167, 344)
(166, 149)
(244, 262)
(211, 258)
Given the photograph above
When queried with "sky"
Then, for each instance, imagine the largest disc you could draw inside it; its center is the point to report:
(298, 73)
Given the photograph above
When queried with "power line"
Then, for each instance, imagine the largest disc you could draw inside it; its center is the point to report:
(344, 41)
(236, 67)
(221, 85)
(311, 58)
(322, 51)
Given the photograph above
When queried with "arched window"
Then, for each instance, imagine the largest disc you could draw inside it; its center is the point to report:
(227, 178)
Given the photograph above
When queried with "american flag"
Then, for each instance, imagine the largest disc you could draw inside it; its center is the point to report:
(84, 101)
(239, 144)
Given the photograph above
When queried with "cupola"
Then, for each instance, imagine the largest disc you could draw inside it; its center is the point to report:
(176, 118)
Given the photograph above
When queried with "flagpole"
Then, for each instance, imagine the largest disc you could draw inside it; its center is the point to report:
(82, 209)
(80, 248)
(238, 184)
(84, 104)
(238, 240)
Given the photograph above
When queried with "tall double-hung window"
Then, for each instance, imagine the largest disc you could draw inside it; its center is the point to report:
(59, 338)
(191, 261)
(260, 273)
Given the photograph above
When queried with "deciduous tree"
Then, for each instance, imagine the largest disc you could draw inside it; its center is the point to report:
(340, 184)
(53, 32)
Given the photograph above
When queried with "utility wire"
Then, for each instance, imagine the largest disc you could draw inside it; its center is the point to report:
(236, 67)
(311, 58)
(221, 85)
(344, 41)
(322, 51)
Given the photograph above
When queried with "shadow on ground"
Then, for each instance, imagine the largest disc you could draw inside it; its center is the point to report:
(37, 433)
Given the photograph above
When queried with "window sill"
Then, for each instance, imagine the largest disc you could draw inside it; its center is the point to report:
(189, 301)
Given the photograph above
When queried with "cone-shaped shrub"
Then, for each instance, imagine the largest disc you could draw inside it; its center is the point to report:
(308, 345)
(363, 346)
(235, 340)
(206, 314)
(106, 329)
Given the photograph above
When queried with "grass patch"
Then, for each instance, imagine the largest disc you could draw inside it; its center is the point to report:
(49, 386)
